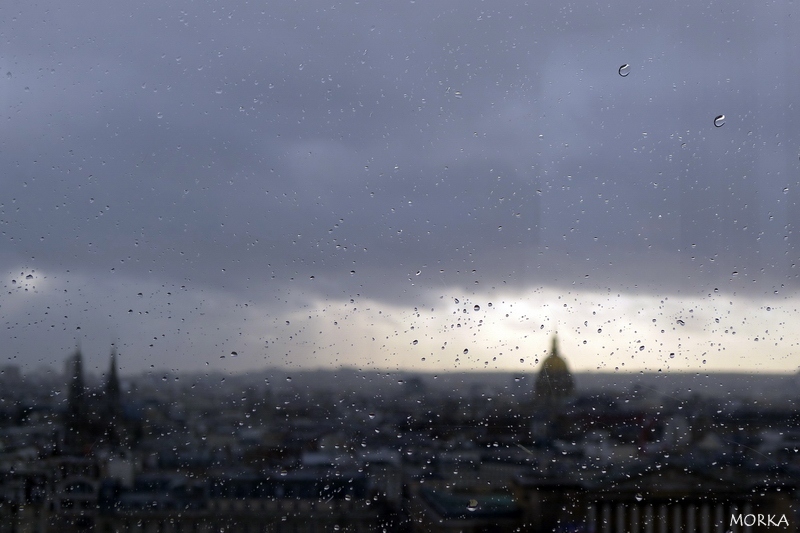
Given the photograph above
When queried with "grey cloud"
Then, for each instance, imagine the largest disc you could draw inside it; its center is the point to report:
(246, 148)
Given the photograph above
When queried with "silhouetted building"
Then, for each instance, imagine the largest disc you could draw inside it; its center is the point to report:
(554, 384)
(663, 495)
(99, 422)
(76, 417)
(76, 395)
(113, 400)
(554, 388)
(112, 418)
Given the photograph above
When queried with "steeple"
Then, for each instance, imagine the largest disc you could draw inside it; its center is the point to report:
(113, 399)
(76, 395)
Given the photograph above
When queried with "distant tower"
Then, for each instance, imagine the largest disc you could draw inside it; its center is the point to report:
(113, 395)
(554, 384)
(76, 417)
(76, 391)
(113, 423)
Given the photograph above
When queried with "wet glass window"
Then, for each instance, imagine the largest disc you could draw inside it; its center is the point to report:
(407, 267)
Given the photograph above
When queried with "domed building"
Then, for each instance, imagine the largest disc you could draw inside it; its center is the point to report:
(554, 384)
(553, 389)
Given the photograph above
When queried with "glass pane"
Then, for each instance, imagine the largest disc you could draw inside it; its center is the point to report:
(355, 266)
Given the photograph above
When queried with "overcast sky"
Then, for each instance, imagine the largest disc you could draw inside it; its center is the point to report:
(322, 184)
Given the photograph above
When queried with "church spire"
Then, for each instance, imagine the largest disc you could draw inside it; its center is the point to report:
(76, 388)
(112, 385)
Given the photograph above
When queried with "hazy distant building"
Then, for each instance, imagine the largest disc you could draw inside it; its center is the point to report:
(76, 418)
(111, 416)
(553, 389)
(554, 383)
(113, 399)
(99, 422)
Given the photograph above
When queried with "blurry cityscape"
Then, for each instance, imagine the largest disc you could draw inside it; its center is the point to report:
(353, 450)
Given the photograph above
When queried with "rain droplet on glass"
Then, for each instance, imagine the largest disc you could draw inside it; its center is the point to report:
(624, 70)
(719, 121)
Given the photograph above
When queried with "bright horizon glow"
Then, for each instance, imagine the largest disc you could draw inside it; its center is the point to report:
(597, 332)
(508, 331)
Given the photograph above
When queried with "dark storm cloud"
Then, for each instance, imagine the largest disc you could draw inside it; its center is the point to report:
(243, 149)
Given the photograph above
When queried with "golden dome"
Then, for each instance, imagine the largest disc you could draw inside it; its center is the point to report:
(554, 381)
(554, 364)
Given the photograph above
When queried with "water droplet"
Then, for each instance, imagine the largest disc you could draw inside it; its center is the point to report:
(719, 121)
(466, 351)
(472, 505)
(29, 276)
(681, 322)
(159, 115)
(415, 342)
(456, 300)
(638, 497)
(672, 355)
(301, 66)
(289, 378)
(599, 330)
(372, 415)
(641, 348)
(458, 94)
(218, 91)
(234, 354)
(476, 308)
(283, 472)
(624, 70)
